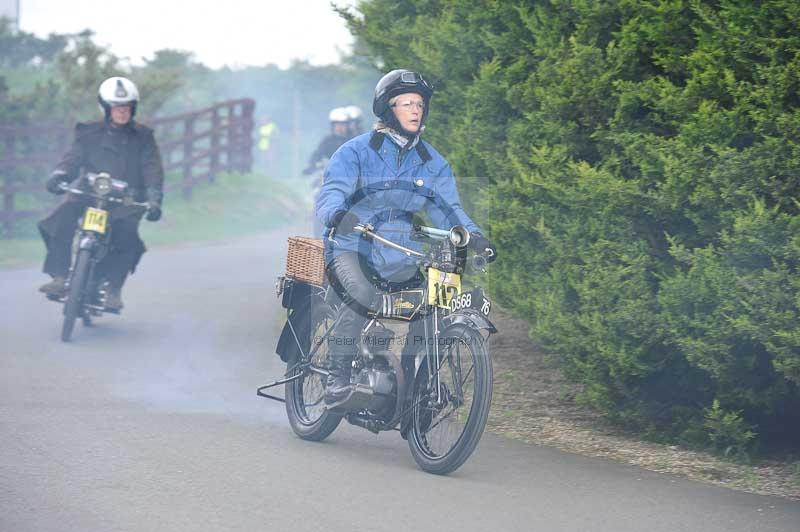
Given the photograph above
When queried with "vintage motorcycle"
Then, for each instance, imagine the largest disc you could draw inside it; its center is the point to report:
(85, 294)
(439, 398)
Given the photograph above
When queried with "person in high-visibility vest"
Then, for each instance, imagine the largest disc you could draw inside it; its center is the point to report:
(265, 135)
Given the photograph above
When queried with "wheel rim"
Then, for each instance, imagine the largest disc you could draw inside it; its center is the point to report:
(440, 427)
(310, 388)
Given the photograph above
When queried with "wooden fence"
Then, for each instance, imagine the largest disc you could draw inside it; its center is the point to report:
(195, 147)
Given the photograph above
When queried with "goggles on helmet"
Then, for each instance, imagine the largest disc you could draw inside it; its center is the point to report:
(413, 78)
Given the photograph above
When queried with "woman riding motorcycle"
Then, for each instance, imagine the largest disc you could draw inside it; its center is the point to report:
(383, 178)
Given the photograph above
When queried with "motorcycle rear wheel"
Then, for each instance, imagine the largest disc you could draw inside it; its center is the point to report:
(305, 407)
(443, 436)
(74, 302)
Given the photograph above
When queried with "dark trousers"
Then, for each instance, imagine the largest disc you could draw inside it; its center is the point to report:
(125, 250)
(355, 284)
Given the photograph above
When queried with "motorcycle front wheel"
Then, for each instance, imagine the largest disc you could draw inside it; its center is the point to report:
(305, 406)
(74, 302)
(449, 413)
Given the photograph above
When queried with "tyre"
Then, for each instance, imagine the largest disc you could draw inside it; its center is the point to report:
(74, 303)
(447, 425)
(305, 406)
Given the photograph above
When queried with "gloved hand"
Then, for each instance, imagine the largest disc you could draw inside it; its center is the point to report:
(56, 179)
(480, 244)
(154, 204)
(344, 222)
(153, 213)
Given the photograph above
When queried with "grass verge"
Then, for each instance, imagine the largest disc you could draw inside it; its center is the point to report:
(534, 403)
(234, 205)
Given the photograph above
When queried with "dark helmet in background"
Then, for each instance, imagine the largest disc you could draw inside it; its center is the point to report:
(117, 91)
(397, 82)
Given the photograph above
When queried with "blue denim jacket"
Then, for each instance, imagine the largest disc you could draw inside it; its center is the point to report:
(365, 177)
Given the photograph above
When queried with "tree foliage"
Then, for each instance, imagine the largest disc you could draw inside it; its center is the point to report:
(643, 184)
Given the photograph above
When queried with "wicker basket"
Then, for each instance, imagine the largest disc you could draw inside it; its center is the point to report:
(305, 261)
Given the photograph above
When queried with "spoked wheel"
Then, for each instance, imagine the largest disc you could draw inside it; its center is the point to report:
(449, 413)
(74, 303)
(305, 406)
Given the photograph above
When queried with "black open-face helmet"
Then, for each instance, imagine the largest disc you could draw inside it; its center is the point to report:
(397, 82)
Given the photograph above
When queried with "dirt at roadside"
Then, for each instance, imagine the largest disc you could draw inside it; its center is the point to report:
(534, 403)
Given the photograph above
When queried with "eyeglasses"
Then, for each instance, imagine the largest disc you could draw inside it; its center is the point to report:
(408, 105)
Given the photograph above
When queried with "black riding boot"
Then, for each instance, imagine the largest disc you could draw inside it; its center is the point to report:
(337, 387)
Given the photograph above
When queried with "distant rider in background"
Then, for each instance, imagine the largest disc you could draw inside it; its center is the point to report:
(339, 119)
(128, 152)
(354, 125)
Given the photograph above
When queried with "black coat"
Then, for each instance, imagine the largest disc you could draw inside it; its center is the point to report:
(127, 153)
(326, 149)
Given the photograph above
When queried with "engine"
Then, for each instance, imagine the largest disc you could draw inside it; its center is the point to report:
(375, 379)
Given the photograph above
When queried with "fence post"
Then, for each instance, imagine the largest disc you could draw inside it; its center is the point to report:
(247, 135)
(188, 144)
(213, 166)
(8, 209)
(230, 138)
(8, 191)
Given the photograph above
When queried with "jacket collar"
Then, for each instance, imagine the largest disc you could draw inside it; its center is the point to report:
(376, 143)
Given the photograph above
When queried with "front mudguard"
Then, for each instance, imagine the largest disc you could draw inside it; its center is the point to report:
(470, 318)
(87, 240)
(466, 317)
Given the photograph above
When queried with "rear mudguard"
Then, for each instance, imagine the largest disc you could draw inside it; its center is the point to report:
(298, 298)
(295, 338)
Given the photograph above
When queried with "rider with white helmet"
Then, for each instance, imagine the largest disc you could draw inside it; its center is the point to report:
(339, 134)
(355, 115)
(128, 152)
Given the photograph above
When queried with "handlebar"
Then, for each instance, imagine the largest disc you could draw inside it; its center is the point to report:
(127, 202)
(368, 231)
(479, 260)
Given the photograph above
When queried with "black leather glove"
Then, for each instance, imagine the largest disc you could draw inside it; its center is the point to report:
(53, 184)
(154, 204)
(153, 213)
(344, 222)
(481, 245)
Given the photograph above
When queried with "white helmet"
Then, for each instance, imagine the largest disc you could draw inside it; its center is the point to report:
(339, 114)
(354, 112)
(117, 91)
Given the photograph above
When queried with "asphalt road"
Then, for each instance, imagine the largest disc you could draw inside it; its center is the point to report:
(149, 422)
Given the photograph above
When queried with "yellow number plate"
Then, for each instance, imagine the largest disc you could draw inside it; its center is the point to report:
(442, 287)
(95, 220)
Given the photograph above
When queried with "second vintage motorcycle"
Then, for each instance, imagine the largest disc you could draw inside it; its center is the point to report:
(85, 292)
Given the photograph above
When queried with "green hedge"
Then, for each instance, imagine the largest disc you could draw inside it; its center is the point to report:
(644, 190)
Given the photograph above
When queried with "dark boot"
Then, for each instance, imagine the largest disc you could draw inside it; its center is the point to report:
(54, 287)
(337, 387)
(114, 298)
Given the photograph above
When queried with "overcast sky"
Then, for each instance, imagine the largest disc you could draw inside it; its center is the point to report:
(229, 32)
